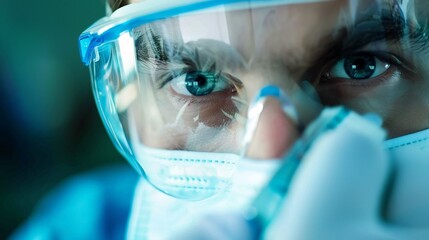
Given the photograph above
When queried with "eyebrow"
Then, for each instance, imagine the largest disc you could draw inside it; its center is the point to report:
(150, 45)
(371, 26)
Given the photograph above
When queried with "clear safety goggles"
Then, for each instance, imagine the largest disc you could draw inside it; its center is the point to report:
(180, 76)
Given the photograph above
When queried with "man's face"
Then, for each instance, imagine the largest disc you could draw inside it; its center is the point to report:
(204, 69)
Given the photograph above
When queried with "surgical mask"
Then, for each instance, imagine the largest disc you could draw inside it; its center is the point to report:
(185, 174)
(411, 146)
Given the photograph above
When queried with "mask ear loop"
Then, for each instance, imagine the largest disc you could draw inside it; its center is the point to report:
(257, 106)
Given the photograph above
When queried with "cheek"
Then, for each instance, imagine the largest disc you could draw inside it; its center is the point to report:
(213, 110)
(218, 114)
(341, 91)
(177, 120)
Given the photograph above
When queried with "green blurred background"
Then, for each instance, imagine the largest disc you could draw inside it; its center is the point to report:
(49, 126)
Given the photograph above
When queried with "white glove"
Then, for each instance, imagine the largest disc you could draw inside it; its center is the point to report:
(344, 190)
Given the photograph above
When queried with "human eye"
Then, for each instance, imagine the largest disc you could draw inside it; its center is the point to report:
(363, 76)
(200, 83)
(359, 66)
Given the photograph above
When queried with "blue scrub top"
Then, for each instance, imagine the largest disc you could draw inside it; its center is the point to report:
(95, 205)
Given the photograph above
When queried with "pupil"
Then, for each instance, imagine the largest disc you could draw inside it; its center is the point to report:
(200, 83)
(359, 64)
(200, 80)
(360, 67)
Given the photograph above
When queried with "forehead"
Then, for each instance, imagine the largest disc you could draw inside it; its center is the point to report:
(293, 33)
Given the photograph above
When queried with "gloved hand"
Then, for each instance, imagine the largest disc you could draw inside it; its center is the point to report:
(347, 187)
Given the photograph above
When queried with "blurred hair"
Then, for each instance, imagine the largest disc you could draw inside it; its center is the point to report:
(115, 4)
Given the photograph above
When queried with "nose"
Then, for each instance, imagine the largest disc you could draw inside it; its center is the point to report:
(275, 131)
